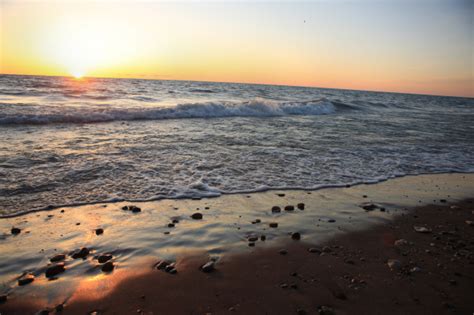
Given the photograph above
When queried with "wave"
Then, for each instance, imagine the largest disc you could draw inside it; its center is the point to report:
(15, 114)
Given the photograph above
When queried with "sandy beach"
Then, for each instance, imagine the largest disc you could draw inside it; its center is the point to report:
(341, 250)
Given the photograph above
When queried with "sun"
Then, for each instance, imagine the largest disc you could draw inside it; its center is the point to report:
(77, 74)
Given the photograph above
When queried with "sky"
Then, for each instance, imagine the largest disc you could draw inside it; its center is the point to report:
(411, 46)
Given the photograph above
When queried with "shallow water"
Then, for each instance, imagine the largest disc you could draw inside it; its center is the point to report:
(69, 142)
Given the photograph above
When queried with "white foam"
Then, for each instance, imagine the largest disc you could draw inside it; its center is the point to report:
(45, 114)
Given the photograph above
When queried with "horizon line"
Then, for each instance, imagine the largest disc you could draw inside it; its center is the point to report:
(232, 82)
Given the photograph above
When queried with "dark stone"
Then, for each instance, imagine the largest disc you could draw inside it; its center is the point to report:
(197, 216)
(283, 252)
(289, 208)
(296, 236)
(281, 195)
(134, 209)
(162, 265)
(169, 267)
(108, 266)
(443, 200)
(300, 206)
(125, 208)
(57, 258)
(42, 312)
(175, 221)
(104, 258)
(81, 253)
(54, 270)
(99, 231)
(15, 231)
(273, 225)
(368, 206)
(59, 308)
(251, 244)
(276, 209)
(314, 250)
(252, 238)
(256, 221)
(28, 278)
(171, 225)
(263, 238)
(208, 267)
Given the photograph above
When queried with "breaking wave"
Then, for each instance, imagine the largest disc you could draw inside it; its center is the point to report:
(15, 114)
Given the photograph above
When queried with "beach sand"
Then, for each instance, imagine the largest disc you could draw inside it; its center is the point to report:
(357, 265)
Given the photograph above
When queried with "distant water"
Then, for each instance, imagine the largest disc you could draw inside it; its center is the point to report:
(65, 142)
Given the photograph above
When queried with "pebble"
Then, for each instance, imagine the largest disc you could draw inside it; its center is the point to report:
(283, 252)
(296, 236)
(251, 244)
(15, 231)
(99, 231)
(273, 225)
(276, 209)
(283, 285)
(470, 223)
(134, 209)
(108, 266)
(314, 250)
(57, 258)
(162, 265)
(368, 206)
(300, 206)
(28, 278)
(256, 221)
(104, 258)
(208, 267)
(196, 216)
(281, 195)
(82, 253)
(170, 267)
(422, 229)
(415, 269)
(253, 238)
(263, 238)
(171, 225)
(54, 270)
(289, 208)
(394, 264)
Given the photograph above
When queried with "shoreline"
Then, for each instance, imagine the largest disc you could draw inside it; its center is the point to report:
(221, 194)
(230, 232)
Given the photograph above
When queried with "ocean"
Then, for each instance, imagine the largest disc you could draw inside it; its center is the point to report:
(72, 142)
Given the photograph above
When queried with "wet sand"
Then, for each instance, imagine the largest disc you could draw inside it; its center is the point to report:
(347, 271)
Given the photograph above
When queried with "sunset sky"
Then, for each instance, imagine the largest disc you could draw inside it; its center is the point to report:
(403, 46)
